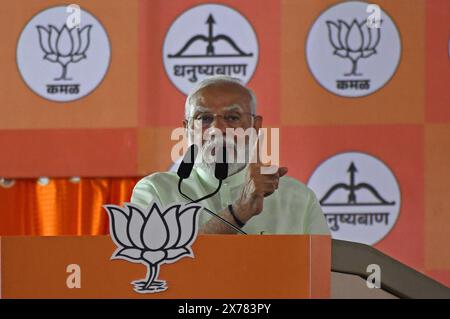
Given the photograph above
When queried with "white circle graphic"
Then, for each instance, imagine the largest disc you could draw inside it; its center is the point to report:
(208, 40)
(59, 63)
(359, 196)
(348, 54)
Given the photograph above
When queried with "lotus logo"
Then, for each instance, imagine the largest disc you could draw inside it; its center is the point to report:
(62, 63)
(354, 41)
(152, 237)
(351, 53)
(64, 46)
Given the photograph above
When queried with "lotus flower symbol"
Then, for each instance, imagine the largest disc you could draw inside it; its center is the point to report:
(152, 237)
(353, 41)
(65, 45)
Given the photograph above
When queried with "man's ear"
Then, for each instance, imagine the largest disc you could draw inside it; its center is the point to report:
(257, 122)
(185, 124)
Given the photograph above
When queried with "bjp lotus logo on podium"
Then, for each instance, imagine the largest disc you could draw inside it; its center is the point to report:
(153, 237)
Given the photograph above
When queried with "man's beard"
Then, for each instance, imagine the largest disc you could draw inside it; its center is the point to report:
(236, 159)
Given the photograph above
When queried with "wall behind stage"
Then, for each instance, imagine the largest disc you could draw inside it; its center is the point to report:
(363, 112)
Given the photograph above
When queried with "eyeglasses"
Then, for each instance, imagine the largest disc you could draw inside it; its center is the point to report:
(232, 119)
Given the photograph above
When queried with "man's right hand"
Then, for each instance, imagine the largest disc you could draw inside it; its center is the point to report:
(257, 185)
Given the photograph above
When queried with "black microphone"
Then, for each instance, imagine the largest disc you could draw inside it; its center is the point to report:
(221, 169)
(186, 165)
(220, 172)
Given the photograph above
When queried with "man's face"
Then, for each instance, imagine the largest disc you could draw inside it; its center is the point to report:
(222, 106)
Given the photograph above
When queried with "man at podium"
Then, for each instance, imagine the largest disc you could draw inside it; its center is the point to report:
(249, 198)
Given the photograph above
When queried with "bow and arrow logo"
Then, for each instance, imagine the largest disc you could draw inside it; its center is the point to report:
(352, 188)
(210, 39)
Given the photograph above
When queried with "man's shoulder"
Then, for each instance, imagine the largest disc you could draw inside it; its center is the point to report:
(155, 186)
(159, 178)
(305, 200)
(288, 183)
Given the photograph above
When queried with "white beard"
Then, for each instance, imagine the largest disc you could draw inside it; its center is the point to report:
(233, 168)
(235, 163)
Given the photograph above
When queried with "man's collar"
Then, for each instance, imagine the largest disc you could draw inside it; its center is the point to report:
(234, 180)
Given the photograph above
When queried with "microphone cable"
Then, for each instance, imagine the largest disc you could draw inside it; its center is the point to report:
(221, 172)
(206, 209)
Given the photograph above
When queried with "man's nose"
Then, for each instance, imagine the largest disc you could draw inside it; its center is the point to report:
(219, 123)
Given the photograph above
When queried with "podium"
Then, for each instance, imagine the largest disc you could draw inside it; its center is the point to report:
(224, 266)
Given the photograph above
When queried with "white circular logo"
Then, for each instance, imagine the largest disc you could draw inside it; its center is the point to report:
(208, 40)
(61, 63)
(353, 49)
(359, 196)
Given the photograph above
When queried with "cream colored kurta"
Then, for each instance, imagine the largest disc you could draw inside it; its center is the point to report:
(291, 209)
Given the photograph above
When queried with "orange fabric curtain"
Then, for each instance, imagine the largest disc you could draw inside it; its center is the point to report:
(61, 206)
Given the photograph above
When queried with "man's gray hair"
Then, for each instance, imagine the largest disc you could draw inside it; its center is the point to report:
(217, 79)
